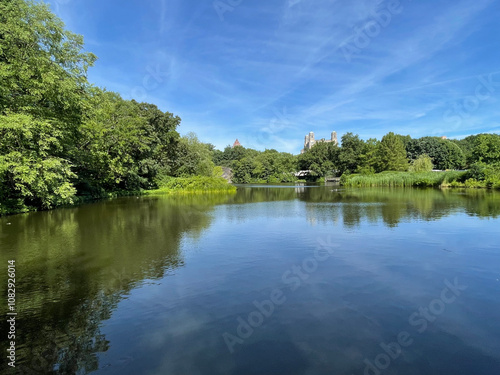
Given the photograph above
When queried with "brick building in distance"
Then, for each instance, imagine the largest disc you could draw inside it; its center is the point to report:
(236, 143)
(309, 141)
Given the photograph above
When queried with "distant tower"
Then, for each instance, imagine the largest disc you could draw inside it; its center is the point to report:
(334, 138)
(236, 143)
(310, 141)
(444, 137)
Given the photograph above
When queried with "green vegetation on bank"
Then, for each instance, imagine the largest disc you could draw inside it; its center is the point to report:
(194, 184)
(480, 175)
(252, 166)
(403, 179)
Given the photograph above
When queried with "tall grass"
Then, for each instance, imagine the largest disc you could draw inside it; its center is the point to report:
(404, 179)
(196, 184)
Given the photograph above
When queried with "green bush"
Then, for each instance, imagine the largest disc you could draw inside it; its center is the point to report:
(422, 164)
(472, 183)
(477, 171)
(366, 170)
(487, 174)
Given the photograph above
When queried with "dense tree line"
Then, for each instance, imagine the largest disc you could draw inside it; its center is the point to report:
(392, 153)
(250, 165)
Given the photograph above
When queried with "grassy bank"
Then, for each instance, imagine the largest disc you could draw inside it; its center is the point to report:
(404, 179)
(479, 175)
(193, 185)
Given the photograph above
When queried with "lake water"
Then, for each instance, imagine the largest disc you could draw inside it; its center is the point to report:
(273, 280)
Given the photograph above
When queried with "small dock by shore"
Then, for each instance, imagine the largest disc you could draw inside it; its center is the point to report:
(332, 179)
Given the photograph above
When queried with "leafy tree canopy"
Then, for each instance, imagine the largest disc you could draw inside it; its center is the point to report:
(392, 153)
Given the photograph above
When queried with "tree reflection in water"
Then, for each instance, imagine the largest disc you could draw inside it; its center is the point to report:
(75, 265)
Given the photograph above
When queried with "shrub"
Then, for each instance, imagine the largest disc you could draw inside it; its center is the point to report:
(477, 171)
(487, 174)
(196, 184)
(366, 170)
(422, 164)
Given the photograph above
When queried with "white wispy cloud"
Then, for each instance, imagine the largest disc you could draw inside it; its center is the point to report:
(227, 79)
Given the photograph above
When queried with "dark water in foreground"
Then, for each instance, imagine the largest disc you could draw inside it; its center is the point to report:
(273, 280)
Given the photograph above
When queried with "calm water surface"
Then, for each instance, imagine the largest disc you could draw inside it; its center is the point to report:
(273, 280)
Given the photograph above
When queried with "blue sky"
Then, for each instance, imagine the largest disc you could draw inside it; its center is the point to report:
(269, 72)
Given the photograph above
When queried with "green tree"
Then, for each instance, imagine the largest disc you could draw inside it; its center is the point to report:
(321, 159)
(30, 174)
(467, 146)
(454, 156)
(218, 158)
(486, 148)
(274, 166)
(43, 70)
(350, 155)
(43, 85)
(422, 164)
(445, 154)
(369, 160)
(231, 154)
(192, 158)
(405, 138)
(242, 170)
(162, 141)
(109, 143)
(392, 153)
